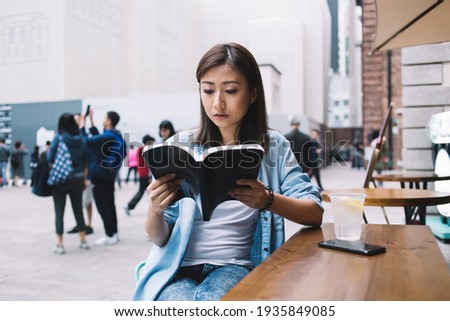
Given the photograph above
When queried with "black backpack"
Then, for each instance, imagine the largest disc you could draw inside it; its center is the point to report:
(15, 160)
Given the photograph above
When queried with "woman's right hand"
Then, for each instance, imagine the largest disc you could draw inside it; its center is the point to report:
(162, 191)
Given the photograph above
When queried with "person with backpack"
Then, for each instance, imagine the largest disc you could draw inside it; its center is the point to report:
(17, 165)
(68, 138)
(4, 156)
(108, 153)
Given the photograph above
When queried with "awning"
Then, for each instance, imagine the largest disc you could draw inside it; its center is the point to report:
(404, 23)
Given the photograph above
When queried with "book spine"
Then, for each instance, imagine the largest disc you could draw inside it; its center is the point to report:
(205, 192)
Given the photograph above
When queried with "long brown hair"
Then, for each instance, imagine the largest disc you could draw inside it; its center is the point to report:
(253, 127)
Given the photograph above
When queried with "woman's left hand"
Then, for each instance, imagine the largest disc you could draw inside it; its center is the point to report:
(254, 195)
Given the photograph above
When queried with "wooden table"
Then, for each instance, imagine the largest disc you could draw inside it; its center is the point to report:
(397, 197)
(412, 268)
(413, 178)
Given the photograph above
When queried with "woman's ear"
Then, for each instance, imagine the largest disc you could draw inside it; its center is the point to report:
(253, 96)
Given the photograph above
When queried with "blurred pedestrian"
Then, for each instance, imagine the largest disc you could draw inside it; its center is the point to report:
(34, 162)
(41, 174)
(132, 163)
(4, 156)
(17, 164)
(144, 176)
(300, 144)
(86, 202)
(87, 197)
(358, 154)
(108, 153)
(68, 133)
(382, 160)
(166, 130)
(118, 180)
(316, 156)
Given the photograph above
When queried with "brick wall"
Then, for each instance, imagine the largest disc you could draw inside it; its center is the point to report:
(375, 82)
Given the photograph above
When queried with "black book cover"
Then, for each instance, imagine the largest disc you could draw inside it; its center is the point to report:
(211, 173)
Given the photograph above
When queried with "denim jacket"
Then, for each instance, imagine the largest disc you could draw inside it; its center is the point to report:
(279, 170)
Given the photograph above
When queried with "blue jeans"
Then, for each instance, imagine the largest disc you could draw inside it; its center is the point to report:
(204, 282)
(3, 172)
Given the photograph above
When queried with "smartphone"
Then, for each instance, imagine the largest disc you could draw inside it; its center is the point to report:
(353, 247)
(88, 109)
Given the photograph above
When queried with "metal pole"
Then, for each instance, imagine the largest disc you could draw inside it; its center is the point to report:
(389, 79)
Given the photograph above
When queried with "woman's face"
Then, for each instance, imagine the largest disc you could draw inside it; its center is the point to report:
(164, 133)
(226, 97)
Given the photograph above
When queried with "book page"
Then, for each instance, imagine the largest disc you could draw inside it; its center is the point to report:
(221, 168)
(164, 159)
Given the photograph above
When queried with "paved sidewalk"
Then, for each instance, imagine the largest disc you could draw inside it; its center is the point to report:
(29, 269)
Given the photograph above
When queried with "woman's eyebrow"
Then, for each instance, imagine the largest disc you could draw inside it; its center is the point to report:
(224, 82)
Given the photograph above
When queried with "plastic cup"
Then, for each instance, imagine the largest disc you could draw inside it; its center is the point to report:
(347, 213)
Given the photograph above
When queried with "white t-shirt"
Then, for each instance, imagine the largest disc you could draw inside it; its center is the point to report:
(226, 239)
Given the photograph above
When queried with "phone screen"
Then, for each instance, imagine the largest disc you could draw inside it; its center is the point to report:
(353, 247)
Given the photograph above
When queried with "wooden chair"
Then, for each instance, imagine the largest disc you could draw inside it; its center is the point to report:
(374, 158)
(376, 151)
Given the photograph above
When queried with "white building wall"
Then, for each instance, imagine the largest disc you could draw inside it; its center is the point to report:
(350, 69)
(98, 48)
(31, 51)
(93, 48)
(355, 60)
(145, 49)
(339, 109)
(286, 54)
(271, 81)
(177, 40)
(140, 115)
(293, 35)
(317, 47)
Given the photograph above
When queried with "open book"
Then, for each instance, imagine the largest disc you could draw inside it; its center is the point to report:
(212, 172)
